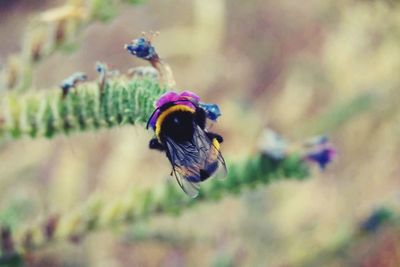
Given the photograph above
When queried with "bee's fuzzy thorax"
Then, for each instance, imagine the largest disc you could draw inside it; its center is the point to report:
(164, 114)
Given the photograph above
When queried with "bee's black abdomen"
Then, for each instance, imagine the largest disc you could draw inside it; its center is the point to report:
(211, 169)
(178, 126)
(204, 175)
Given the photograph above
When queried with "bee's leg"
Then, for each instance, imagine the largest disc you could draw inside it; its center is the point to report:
(155, 144)
(200, 117)
(211, 135)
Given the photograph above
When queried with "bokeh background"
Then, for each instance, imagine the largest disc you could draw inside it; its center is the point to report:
(300, 67)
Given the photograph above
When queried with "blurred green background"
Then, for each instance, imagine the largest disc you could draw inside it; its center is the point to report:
(299, 67)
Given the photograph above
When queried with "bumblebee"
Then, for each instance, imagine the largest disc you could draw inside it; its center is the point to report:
(180, 130)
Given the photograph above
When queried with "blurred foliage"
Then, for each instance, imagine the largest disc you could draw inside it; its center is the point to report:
(303, 68)
(344, 112)
(100, 213)
(103, 10)
(51, 30)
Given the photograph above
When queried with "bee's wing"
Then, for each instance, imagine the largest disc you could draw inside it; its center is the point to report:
(214, 161)
(184, 159)
(190, 159)
(190, 188)
(221, 171)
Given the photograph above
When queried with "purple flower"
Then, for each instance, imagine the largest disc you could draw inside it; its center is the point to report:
(190, 95)
(322, 157)
(166, 98)
(320, 151)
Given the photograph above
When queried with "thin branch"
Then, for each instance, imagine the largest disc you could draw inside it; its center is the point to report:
(48, 113)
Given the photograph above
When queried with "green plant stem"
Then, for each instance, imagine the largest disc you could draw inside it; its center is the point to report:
(47, 113)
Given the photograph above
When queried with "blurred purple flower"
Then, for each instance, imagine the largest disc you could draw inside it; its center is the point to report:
(190, 95)
(320, 151)
(173, 97)
(166, 98)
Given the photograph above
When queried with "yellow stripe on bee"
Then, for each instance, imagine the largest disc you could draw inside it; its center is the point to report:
(167, 112)
(216, 144)
(214, 151)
